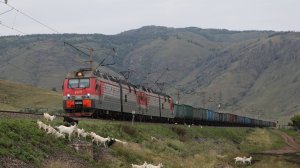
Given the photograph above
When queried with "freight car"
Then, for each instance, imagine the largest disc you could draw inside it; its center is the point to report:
(100, 95)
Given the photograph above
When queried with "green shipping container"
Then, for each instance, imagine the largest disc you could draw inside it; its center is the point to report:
(183, 111)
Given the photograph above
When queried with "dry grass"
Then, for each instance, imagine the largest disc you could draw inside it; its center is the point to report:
(274, 162)
(20, 96)
(259, 137)
(260, 140)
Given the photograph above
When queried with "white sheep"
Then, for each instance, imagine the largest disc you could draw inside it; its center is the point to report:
(39, 123)
(95, 137)
(239, 159)
(42, 125)
(122, 142)
(100, 139)
(84, 135)
(49, 117)
(160, 165)
(139, 166)
(248, 159)
(50, 129)
(79, 131)
(154, 138)
(67, 130)
(59, 135)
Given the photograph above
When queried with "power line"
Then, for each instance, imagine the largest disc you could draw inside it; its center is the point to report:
(18, 68)
(30, 17)
(12, 28)
(7, 11)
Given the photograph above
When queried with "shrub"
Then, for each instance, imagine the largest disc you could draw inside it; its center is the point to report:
(296, 121)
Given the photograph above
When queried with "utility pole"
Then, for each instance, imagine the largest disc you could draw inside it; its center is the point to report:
(178, 94)
(91, 50)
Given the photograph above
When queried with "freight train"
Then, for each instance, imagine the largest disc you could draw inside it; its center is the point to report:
(90, 93)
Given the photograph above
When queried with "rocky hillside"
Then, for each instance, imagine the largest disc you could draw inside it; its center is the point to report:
(252, 73)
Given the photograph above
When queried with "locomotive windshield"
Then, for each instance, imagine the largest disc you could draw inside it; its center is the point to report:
(79, 83)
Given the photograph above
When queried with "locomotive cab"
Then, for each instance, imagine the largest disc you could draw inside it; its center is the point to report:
(79, 93)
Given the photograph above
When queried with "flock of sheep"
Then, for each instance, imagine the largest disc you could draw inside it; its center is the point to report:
(61, 132)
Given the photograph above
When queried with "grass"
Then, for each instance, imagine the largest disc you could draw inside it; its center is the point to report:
(21, 139)
(21, 97)
(292, 132)
(178, 145)
(259, 140)
(175, 145)
(272, 162)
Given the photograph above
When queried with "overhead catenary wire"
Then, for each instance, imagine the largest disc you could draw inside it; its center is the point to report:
(30, 17)
(12, 28)
(6, 11)
(18, 68)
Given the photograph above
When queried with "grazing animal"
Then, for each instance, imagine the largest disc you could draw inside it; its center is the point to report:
(79, 131)
(84, 135)
(248, 159)
(67, 130)
(50, 129)
(96, 138)
(139, 166)
(49, 117)
(110, 142)
(41, 125)
(154, 138)
(59, 135)
(239, 159)
(105, 141)
(160, 165)
(70, 120)
(119, 141)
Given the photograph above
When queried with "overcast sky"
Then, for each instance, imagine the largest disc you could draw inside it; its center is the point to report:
(115, 16)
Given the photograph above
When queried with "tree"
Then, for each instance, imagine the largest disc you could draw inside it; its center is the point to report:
(296, 121)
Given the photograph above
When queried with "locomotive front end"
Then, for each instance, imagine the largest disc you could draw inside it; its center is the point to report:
(79, 93)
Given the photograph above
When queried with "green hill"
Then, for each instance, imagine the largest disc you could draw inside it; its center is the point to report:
(21, 97)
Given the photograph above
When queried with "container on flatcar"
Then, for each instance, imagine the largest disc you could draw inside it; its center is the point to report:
(210, 115)
(198, 113)
(183, 111)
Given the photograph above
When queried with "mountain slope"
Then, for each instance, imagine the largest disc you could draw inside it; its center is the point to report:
(16, 96)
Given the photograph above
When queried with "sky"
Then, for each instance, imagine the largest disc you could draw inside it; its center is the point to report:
(115, 16)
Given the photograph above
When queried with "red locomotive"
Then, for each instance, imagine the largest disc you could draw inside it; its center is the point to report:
(92, 93)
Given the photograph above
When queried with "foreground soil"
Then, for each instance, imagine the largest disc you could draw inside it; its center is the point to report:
(292, 145)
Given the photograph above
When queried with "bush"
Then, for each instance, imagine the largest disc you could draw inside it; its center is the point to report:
(296, 121)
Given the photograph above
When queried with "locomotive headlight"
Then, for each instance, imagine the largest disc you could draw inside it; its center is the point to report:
(88, 95)
(79, 74)
(68, 95)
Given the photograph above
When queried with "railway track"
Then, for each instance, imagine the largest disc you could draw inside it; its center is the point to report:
(16, 114)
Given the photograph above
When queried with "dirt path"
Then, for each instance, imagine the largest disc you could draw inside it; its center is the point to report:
(293, 146)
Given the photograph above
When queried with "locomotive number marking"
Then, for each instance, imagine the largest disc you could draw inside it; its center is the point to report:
(78, 92)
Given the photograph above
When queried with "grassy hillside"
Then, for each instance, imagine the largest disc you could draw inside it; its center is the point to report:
(21, 97)
(254, 73)
(176, 145)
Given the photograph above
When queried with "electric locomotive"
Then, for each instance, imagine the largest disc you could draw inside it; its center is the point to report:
(88, 92)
